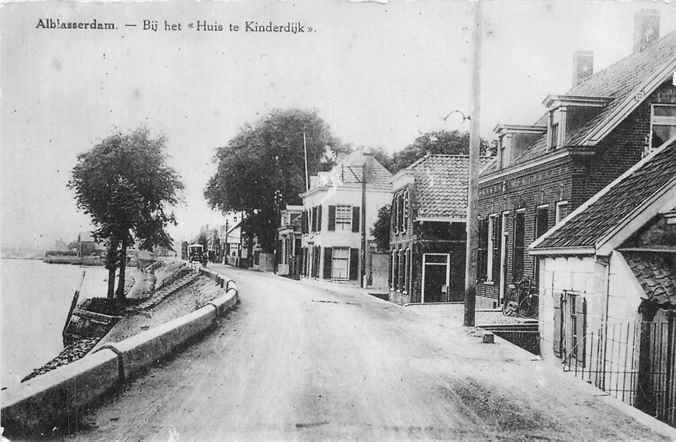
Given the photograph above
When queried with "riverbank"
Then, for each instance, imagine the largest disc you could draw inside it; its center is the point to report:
(165, 292)
(35, 300)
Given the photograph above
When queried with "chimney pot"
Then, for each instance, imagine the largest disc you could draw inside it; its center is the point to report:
(646, 28)
(583, 66)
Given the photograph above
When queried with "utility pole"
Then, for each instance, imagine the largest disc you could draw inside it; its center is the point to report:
(362, 272)
(307, 180)
(473, 185)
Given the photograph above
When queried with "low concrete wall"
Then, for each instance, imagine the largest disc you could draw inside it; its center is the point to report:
(61, 392)
(139, 351)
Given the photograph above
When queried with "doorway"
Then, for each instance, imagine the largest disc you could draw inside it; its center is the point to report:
(435, 277)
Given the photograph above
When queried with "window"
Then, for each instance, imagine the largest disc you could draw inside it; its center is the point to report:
(497, 238)
(402, 270)
(502, 153)
(570, 327)
(555, 136)
(482, 252)
(343, 218)
(519, 243)
(662, 124)
(404, 218)
(341, 263)
(406, 267)
(395, 269)
(395, 212)
(541, 226)
(561, 210)
(492, 244)
(541, 221)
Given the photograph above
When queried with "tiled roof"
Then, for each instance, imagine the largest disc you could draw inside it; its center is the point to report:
(618, 81)
(349, 171)
(441, 185)
(376, 174)
(614, 203)
(656, 273)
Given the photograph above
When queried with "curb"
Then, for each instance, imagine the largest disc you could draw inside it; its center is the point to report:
(62, 392)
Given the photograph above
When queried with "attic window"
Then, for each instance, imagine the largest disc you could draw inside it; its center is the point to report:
(662, 124)
(556, 128)
(555, 136)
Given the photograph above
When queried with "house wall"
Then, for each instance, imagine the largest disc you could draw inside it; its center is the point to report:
(417, 238)
(573, 178)
(528, 189)
(581, 274)
(611, 283)
(343, 195)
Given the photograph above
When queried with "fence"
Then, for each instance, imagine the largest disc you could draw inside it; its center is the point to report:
(632, 361)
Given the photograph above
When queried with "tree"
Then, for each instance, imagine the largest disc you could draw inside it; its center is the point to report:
(381, 228)
(434, 142)
(125, 185)
(262, 168)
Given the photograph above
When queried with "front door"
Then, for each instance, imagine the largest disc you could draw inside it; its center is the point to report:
(436, 269)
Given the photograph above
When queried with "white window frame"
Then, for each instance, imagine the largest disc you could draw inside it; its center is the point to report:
(658, 121)
(344, 227)
(492, 219)
(346, 259)
(557, 215)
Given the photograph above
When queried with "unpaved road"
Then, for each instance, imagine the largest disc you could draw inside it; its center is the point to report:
(299, 362)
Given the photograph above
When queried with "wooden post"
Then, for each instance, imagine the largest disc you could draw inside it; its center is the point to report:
(362, 271)
(473, 185)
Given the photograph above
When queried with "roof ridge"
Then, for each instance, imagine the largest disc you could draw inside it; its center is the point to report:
(653, 46)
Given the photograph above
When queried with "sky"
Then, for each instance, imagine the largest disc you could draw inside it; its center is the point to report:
(378, 73)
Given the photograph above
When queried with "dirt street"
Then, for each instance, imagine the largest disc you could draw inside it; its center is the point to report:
(295, 361)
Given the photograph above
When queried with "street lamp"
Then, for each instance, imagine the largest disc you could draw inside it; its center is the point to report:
(471, 224)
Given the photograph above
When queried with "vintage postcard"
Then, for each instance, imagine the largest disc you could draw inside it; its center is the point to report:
(338, 220)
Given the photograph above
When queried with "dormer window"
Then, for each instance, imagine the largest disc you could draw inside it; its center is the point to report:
(662, 124)
(557, 119)
(555, 136)
(566, 112)
(514, 140)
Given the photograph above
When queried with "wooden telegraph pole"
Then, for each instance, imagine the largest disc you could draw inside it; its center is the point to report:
(473, 186)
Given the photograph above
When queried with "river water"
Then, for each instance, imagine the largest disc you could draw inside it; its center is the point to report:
(34, 301)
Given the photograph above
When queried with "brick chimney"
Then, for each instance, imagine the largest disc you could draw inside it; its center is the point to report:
(583, 66)
(646, 28)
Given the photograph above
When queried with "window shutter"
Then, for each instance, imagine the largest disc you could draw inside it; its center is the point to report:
(497, 242)
(303, 222)
(557, 302)
(354, 264)
(402, 279)
(317, 258)
(395, 214)
(314, 219)
(355, 219)
(581, 323)
(332, 218)
(328, 253)
(319, 218)
(482, 252)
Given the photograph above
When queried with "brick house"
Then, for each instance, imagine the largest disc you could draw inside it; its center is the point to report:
(608, 296)
(332, 216)
(427, 230)
(586, 138)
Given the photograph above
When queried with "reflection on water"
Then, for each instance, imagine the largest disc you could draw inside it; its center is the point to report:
(34, 301)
